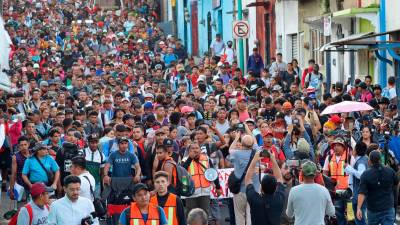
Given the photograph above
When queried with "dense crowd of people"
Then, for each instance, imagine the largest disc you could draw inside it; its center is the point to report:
(109, 119)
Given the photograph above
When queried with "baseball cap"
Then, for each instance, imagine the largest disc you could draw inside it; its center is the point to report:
(303, 146)
(268, 132)
(122, 139)
(44, 83)
(39, 188)
(93, 137)
(148, 95)
(309, 168)
(287, 105)
(187, 109)
(335, 119)
(339, 140)
(148, 105)
(39, 146)
(250, 120)
(139, 186)
(159, 131)
(241, 98)
(168, 142)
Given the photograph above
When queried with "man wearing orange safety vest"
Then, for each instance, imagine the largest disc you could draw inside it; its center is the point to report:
(172, 204)
(334, 167)
(196, 164)
(142, 212)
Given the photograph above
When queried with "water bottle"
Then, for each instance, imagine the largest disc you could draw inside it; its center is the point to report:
(184, 184)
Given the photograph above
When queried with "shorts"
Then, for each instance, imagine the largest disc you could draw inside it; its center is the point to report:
(5, 160)
(215, 209)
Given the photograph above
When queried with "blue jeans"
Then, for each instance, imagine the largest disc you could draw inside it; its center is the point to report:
(386, 217)
(363, 210)
(340, 208)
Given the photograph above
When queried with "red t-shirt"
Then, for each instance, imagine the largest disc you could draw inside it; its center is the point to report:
(278, 156)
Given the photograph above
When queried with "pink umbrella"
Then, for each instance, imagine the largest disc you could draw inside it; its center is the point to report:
(345, 107)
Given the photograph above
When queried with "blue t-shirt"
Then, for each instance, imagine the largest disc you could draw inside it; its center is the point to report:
(35, 172)
(163, 218)
(122, 164)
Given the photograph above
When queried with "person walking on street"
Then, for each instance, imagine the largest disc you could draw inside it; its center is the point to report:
(141, 211)
(122, 163)
(267, 207)
(377, 187)
(88, 184)
(171, 203)
(255, 63)
(240, 158)
(37, 210)
(39, 166)
(309, 202)
(355, 171)
(72, 208)
(17, 165)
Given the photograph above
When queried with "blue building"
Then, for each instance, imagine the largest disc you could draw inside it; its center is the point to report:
(198, 21)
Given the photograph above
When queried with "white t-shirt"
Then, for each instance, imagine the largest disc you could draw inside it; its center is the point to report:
(85, 186)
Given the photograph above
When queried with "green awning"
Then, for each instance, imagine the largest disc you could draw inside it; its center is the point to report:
(354, 12)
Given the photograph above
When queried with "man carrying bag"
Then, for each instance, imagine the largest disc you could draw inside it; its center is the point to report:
(241, 159)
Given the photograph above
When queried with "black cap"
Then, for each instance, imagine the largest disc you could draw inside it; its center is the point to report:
(122, 139)
(93, 137)
(384, 101)
(138, 187)
(38, 146)
(168, 142)
(363, 85)
(69, 111)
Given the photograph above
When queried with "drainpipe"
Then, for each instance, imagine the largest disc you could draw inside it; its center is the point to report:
(382, 28)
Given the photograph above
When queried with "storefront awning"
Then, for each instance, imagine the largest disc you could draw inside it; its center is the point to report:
(345, 41)
(368, 13)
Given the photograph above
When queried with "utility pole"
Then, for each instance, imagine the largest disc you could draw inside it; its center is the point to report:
(241, 53)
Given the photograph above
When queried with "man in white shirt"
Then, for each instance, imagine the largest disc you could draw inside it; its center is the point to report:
(71, 209)
(229, 52)
(88, 183)
(217, 45)
(309, 202)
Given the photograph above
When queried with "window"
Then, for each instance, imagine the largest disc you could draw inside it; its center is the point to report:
(295, 49)
(317, 40)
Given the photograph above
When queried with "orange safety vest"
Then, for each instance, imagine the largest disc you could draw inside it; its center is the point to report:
(174, 177)
(336, 171)
(169, 208)
(136, 218)
(197, 172)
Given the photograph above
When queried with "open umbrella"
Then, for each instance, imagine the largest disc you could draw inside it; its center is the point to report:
(345, 107)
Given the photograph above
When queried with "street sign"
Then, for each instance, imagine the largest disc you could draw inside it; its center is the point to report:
(241, 29)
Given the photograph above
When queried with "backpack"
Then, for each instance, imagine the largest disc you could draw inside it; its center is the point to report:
(184, 183)
(321, 78)
(14, 219)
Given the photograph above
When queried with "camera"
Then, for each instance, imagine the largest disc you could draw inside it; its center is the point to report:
(296, 121)
(240, 127)
(343, 194)
(292, 163)
(89, 219)
(265, 154)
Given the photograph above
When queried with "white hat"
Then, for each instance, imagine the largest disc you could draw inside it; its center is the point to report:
(201, 78)
(36, 66)
(140, 41)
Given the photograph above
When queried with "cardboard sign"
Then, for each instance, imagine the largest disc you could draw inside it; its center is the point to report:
(223, 175)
